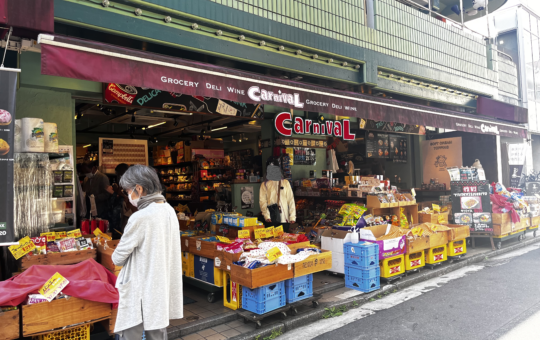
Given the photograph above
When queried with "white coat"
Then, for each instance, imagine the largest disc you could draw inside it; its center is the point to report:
(150, 282)
(268, 195)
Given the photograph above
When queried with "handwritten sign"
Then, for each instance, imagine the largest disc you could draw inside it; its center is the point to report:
(441, 219)
(53, 286)
(74, 233)
(225, 109)
(60, 235)
(24, 247)
(243, 233)
(436, 208)
(269, 232)
(273, 254)
(417, 231)
(51, 237)
(278, 231)
(260, 233)
(223, 239)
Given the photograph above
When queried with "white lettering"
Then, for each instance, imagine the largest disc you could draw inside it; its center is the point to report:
(253, 93)
(490, 128)
(257, 94)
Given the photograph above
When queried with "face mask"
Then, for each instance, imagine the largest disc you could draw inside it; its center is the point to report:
(273, 173)
(135, 201)
(89, 175)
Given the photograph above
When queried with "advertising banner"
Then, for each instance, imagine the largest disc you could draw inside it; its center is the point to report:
(439, 154)
(8, 86)
(516, 160)
(471, 205)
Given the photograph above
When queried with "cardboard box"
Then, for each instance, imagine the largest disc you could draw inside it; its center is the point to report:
(72, 257)
(416, 244)
(387, 248)
(373, 202)
(313, 264)
(433, 218)
(254, 278)
(104, 255)
(438, 239)
(43, 317)
(501, 218)
(10, 325)
(535, 221)
(458, 232)
(412, 200)
(333, 240)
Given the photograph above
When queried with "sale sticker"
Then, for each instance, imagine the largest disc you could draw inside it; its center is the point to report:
(243, 233)
(436, 208)
(51, 237)
(24, 247)
(60, 235)
(260, 233)
(53, 286)
(269, 232)
(74, 233)
(273, 254)
(278, 231)
(441, 219)
(223, 239)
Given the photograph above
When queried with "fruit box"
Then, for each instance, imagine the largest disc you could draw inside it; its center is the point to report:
(387, 248)
(42, 317)
(104, 255)
(71, 257)
(254, 278)
(10, 325)
(313, 264)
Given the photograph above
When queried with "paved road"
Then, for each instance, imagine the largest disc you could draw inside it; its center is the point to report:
(495, 299)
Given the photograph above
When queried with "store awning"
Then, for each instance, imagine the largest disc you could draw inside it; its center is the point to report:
(95, 61)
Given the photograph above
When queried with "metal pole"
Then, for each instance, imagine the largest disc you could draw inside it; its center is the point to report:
(429, 1)
(461, 12)
(7, 44)
(487, 16)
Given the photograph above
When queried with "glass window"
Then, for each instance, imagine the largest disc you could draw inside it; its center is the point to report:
(536, 64)
(534, 25)
(533, 117)
(524, 15)
(529, 69)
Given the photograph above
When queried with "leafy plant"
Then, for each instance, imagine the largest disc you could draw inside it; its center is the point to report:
(275, 334)
(332, 312)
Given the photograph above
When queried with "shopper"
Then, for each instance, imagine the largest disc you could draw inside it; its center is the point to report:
(95, 184)
(150, 282)
(119, 207)
(276, 197)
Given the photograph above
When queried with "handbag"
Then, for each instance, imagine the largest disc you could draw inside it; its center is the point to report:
(275, 209)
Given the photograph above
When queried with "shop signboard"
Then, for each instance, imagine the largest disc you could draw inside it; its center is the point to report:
(471, 204)
(285, 124)
(163, 100)
(439, 154)
(8, 86)
(378, 125)
(516, 160)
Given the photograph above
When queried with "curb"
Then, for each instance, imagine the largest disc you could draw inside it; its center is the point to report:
(314, 315)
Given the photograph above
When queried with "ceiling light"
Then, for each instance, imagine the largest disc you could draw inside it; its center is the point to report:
(219, 128)
(158, 124)
(173, 112)
(86, 146)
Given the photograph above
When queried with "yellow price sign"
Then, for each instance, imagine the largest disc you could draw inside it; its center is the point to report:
(60, 235)
(278, 231)
(24, 247)
(435, 228)
(53, 286)
(99, 233)
(74, 233)
(417, 231)
(51, 237)
(436, 208)
(223, 239)
(441, 219)
(260, 233)
(243, 233)
(269, 232)
(273, 254)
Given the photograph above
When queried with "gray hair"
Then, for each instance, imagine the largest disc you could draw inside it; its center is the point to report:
(142, 175)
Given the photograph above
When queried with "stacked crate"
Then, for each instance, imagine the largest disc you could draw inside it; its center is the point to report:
(264, 299)
(299, 288)
(362, 270)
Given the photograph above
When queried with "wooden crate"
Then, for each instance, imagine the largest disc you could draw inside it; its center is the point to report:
(438, 239)
(41, 318)
(254, 278)
(433, 218)
(9, 322)
(109, 323)
(104, 256)
(226, 260)
(71, 257)
(501, 218)
(202, 248)
(313, 264)
(410, 211)
(373, 202)
(458, 232)
(233, 231)
(414, 245)
(535, 221)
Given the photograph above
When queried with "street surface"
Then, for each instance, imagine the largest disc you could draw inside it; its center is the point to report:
(495, 299)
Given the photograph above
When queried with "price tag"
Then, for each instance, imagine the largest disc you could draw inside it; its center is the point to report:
(278, 231)
(243, 233)
(436, 208)
(441, 219)
(60, 235)
(74, 233)
(417, 231)
(269, 232)
(413, 192)
(223, 239)
(51, 237)
(99, 233)
(260, 233)
(225, 109)
(24, 247)
(273, 254)
(53, 286)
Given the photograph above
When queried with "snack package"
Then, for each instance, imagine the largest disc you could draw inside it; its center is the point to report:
(83, 243)
(52, 247)
(41, 245)
(403, 223)
(68, 244)
(35, 298)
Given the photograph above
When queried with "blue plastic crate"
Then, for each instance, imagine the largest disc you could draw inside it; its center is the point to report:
(299, 292)
(264, 293)
(363, 285)
(362, 262)
(299, 280)
(362, 273)
(363, 248)
(264, 307)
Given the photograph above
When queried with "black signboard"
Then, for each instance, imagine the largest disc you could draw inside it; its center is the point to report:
(398, 148)
(368, 124)
(8, 86)
(516, 173)
(471, 205)
(151, 98)
(377, 145)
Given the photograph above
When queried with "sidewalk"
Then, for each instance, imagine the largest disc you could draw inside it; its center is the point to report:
(212, 321)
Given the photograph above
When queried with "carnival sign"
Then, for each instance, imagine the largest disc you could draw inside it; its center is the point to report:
(302, 126)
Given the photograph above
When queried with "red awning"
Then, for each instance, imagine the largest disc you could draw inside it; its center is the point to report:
(94, 61)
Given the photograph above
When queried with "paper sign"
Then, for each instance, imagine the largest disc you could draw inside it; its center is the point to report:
(273, 254)
(74, 233)
(53, 286)
(434, 228)
(417, 231)
(260, 233)
(269, 232)
(225, 109)
(413, 192)
(223, 239)
(60, 235)
(436, 208)
(243, 233)
(278, 231)
(441, 219)
(51, 237)
(99, 233)
(24, 247)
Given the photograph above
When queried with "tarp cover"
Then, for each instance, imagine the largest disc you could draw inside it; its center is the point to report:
(88, 280)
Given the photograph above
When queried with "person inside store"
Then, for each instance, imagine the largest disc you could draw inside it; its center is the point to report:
(150, 282)
(119, 207)
(95, 184)
(276, 197)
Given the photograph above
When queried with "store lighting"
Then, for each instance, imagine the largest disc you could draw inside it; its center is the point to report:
(173, 112)
(86, 146)
(153, 126)
(219, 128)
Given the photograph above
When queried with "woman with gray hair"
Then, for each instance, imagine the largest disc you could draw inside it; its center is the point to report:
(150, 282)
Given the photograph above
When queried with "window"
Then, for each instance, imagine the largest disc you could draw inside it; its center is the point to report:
(529, 69)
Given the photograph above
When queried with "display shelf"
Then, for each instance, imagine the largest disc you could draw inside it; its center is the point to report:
(333, 198)
(214, 180)
(63, 199)
(173, 165)
(180, 199)
(179, 190)
(177, 182)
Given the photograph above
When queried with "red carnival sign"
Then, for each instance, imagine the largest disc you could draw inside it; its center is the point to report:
(301, 126)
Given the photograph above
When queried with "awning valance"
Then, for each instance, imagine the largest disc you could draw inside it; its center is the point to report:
(94, 61)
